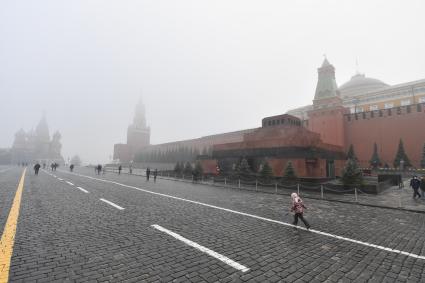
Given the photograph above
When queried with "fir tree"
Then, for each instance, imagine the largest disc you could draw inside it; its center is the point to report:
(375, 161)
(351, 154)
(401, 155)
(188, 169)
(198, 171)
(243, 168)
(267, 171)
(177, 168)
(289, 172)
(423, 158)
(352, 175)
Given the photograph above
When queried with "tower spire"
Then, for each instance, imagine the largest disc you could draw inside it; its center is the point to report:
(326, 84)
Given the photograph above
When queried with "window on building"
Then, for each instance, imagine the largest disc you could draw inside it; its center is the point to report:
(388, 105)
(278, 122)
(405, 102)
(373, 107)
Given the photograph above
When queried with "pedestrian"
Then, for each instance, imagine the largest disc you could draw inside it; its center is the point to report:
(119, 170)
(298, 209)
(36, 168)
(130, 169)
(99, 169)
(415, 184)
(71, 167)
(422, 186)
(148, 172)
(155, 173)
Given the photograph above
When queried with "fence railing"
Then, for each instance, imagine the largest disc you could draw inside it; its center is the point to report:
(278, 187)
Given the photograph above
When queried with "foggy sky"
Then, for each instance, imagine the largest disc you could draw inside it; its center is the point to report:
(202, 67)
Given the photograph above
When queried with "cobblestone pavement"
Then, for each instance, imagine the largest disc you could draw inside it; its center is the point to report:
(67, 235)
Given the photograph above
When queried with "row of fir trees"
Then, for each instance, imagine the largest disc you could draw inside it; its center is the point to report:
(375, 161)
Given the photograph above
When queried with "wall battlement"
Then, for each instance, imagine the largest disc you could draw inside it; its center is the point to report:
(386, 113)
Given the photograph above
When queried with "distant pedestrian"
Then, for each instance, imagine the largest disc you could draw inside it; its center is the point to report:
(148, 172)
(298, 209)
(36, 168)
(130, 169)
(422, 186)
(400, 182)
(155, 173)
(99, 169)
(71, 167)
(415, 184)
(119, 170)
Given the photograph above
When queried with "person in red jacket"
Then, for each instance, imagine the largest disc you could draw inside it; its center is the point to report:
(298, 209)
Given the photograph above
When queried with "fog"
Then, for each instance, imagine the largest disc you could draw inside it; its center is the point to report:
(202, 67)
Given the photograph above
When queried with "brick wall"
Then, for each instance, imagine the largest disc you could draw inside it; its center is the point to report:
(386, 127)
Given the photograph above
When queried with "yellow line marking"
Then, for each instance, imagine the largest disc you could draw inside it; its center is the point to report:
(8, 237)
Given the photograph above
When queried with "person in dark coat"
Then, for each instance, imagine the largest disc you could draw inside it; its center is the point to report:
(99, 169)
(119, 170)
(71, 167)
(415, 184)
(36, 168)
(422, 186)
(148, 172)
(155, 173)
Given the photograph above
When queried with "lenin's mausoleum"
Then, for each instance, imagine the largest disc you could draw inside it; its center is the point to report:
(315, 138)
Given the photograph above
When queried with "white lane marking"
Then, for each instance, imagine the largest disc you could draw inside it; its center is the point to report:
(113, 204)
(261, 218)
(69, 183)
(212, 253)
(60, 179)
(83, 190)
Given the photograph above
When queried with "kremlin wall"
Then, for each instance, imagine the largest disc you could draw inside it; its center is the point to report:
(315, 138)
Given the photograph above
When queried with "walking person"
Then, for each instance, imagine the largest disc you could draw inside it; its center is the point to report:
(130, 169)
(298, 209)
(155, 173)
(148, 172)
(71, 167)
(99, 169)
(119, 170)
(415, 184)
(36, 168)
(422, 186)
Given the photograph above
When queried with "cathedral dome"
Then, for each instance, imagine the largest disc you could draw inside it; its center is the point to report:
(360, 84)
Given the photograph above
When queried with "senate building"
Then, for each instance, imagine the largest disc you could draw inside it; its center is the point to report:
(364, 112)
